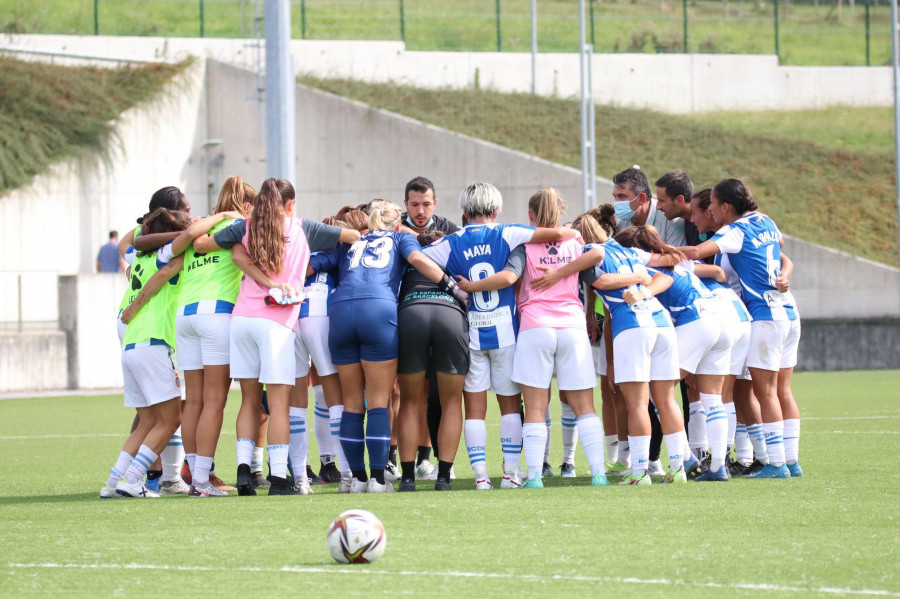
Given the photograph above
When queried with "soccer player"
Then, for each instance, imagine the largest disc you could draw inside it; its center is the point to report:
(478, 251)
(753, 243)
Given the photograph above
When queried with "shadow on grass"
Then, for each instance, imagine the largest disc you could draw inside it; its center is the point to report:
(67, 498)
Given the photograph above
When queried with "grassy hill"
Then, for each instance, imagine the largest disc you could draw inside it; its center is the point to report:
(824, 175)
(50, 113)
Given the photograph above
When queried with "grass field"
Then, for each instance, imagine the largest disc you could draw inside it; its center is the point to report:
(811, 33)
(834, 532)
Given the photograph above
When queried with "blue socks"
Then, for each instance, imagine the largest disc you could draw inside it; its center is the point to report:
(378, 440)
(353, 440)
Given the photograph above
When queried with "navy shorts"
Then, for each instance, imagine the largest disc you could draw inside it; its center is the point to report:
(363, 329)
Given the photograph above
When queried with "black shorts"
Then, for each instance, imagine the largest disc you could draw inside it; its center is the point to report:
(432, 335)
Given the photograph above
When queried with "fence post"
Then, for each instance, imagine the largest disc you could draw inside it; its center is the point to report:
(591, 11)
(868, 37)
(402, 23)
(201, 19)
(499, 42)
(777, 43)
(303, 19)
(684, 10)
(96, 18)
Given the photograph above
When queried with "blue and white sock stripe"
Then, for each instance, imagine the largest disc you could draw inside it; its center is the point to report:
(321, 413)
(144, 460)
(569, 422)
(371, 438)
(774, 439)
(352, 439)
(277, 447)
(510, 449)
(477, 457)
(716, 415)
(741, 429)
(175, 441)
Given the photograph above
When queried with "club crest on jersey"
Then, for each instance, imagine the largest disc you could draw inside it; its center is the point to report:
(477, 250)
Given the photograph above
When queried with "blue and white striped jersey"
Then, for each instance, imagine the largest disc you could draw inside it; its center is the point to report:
(317, 294)
(477, 252)
(753, 245)
(726, 294)
(687, 299)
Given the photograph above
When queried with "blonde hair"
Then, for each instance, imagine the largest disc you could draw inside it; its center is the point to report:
(547, 206)
(234, 194)
(265, 233)
(383, 215)
(590, 229)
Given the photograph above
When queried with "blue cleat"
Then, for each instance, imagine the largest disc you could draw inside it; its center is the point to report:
(599, 480)
(692, 466)
(720, 475)
(533, 483)
(153, 484)
(795, 470)
(770, 471)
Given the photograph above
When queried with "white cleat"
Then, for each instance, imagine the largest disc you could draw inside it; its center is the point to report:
(345, 484)
(358, 486)
(173, 487)
(654, 468)
(483, 484)
(303, 486)
(426, 471)
(511, 479)
(139, 490)
(391, 472)
(206, 489)
(107, 492)
(376, 487)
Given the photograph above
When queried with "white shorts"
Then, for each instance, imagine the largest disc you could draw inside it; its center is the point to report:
(740, 346)
(645, 354)
(773, 344)
(312, 343)
(491, 369)
(704, 346)
(150, 376)
(599, 353)
(541, 350)
(262, 349)
(202, 340)
(120, 329)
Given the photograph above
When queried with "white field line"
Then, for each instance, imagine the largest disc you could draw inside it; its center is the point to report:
(773, 588)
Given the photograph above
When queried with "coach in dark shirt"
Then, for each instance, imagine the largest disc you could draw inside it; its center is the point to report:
(420, 202)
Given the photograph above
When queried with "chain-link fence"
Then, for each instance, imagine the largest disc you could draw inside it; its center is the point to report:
(800, 32)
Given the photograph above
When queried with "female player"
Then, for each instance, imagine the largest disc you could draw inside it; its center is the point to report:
(363, 336)
(261, 343)
(753, 244)
(552, 337)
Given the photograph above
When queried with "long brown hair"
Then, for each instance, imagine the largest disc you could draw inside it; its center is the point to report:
(265, 235)
(547, 206)
(355, 219)
(647, 239)
(597, 224)
(163, 220)
(234, 194)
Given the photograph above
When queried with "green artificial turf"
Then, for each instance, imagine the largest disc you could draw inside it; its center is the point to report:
(834, 531)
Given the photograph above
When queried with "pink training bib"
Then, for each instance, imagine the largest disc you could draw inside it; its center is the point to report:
(558, 307)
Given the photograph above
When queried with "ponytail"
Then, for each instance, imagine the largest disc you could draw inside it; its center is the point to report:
(383, 215)
(734, 192)
(265, 234)
(233, 195)
(547, 207)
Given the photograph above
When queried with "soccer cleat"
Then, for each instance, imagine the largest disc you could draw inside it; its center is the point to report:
(329, 473)
(770, 471)
(344, 485)
(390, 472)
(425, 470)
(376, 487)
(642, 480)
(303, 487)
(654, 468)
(107, 492)
(173, 487)
(615, 468)
(407, 485)
(705, 461)
(567, 470)
(755, 467)
(259, 481)
(533, 483)
(692, 466)
(186, 473)
(206, 490)
(547, 471)
(720, 475)
(219, 483)
(358, 486)
(599, 480)
(313, 478)
(511, 479)
(483, 484)
(738, 469)
(139, 490)
(795, 470)
(153, 484)
(282, 486)
(245, 486)
(675, 476)
(442, 484)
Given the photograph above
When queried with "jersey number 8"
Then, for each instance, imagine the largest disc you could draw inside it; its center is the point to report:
(485, 301)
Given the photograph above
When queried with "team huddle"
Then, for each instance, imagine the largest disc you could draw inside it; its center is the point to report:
(402, 323)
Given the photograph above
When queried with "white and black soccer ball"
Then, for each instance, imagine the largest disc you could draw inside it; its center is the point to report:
(356, 537)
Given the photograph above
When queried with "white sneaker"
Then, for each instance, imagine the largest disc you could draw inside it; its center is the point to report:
(206, 489)
(391, 472)
(426, 471)
(376, 487)
(173, 487)
(511, 479)
(655, 468)
(357, 486)
(303, 486)
(107, 492)
(345, 484)
(139, 490)
(483, 484)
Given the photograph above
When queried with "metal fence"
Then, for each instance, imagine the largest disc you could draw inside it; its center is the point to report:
(802, 32)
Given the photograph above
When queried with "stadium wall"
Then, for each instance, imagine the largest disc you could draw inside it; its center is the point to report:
(692, 82)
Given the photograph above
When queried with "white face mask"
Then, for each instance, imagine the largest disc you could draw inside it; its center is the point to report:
(623, 209)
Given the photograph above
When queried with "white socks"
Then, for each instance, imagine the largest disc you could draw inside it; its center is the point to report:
(774, 433)
(278, 459)
(612, 448)
(534, 437)
(299, 442)
(335, 413)
(732, 422)
(244, 449)
(548, 422)
(758, 441)
(697, 427)
(139, 465)
(569, 433)
(510, 439)
(716, 429)
(256, 461)
(200, 475)
(172, 457)
(742, 446)
(476, 440)
(590, 429)
(675, 448)
(640, 454)
(791, 440)
(322, 423)
(118, 471)
(624, 450)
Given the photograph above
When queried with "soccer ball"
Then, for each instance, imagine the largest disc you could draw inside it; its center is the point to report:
(356, 537)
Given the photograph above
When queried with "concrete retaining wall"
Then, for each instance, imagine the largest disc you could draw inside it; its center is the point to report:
(849, 344)
(33, 360)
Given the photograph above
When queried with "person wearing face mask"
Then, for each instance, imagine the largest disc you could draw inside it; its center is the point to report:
(635, 206)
